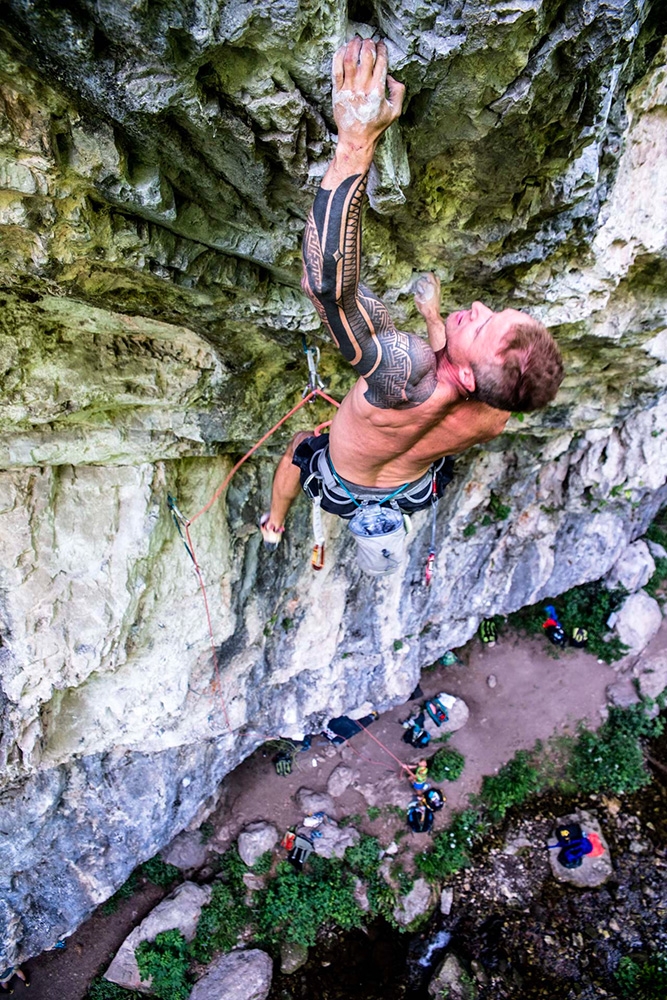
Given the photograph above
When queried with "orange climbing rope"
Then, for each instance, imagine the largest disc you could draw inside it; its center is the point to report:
(312, 390)
(404, 767)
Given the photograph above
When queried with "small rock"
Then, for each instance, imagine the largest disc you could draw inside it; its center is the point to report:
(310, 802)
(179, 910)
(492, 680)
(622, 693)
(451, 981)
(657, 551)
(292, 957)
(418, 901)
(652, 674)
(633, 569)
(446, 901)
(186, 851)
(458, 716)
(255, 840)
(392, 849)
(361, 895)
(593, 871)
(336, 839)
(340, 780)
(638, 621)
(239, 975)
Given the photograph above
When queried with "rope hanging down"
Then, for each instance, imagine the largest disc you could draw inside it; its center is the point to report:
(314, 388)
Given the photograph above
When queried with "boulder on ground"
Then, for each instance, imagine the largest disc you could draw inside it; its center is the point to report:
(335, 839)
(452, 981)
(180, 910)
(421, 898)
(255, 840)
(622, 693)
(239, 975)
(651, 674)
(186, 851)
(340, 780)
(594, 870)
(310, 802)
(638, 621)
(292, 957)
(657, 551)
(458, 716)
(633, 569)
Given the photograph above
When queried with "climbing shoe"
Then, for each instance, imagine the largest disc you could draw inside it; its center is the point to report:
(270, 533)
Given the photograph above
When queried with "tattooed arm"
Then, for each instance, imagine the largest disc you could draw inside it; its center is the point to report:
(399, 368)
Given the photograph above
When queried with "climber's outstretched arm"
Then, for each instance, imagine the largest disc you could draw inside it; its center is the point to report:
(399, 368)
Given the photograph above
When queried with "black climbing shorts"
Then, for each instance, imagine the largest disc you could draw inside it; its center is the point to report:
(317, 479)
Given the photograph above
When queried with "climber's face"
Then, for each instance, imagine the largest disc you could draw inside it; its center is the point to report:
(476, 336)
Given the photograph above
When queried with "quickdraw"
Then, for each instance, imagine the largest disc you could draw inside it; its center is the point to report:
(429, 572)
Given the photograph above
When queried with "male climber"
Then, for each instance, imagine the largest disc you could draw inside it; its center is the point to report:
(414, 402)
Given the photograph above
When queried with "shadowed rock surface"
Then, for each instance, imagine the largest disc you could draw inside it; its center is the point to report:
(157, 164)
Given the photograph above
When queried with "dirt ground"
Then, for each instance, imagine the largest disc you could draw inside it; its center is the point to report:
(539, 692)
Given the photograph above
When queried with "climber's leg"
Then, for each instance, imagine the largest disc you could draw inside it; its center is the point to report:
(285, 490)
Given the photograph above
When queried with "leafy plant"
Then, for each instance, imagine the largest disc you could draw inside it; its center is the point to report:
(364, 858)
(452, 847)
(165, 962)
(589, 607)
(159, 872)
(645, 980)
(263, 864)
(102, 989)
(499, 510)
(226, 913)
(446, 764)
(206, 831)
(612, 760)
(373, 813)
(295, 904)
(515, 782)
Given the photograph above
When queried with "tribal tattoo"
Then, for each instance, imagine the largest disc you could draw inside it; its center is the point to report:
(398, 367)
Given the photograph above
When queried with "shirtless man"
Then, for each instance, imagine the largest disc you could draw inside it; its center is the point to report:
(414, 403)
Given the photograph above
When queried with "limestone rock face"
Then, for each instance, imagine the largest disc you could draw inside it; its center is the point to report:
(157, 163)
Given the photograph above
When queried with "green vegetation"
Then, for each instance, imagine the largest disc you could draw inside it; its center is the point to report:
(263, 864)
(446, 765)
(159, 872)
(206, 831)
(226, 913)
(165, 962)
(515, 782)
(102, 989)
(499, 510)
(611, 760)
(373, 813)
(296, 904)
(589, 607)
(452, 847)
(354, 819)
(154, 870)
(643, 980)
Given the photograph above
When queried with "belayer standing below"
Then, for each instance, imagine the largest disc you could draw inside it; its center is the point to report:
(415, 403)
